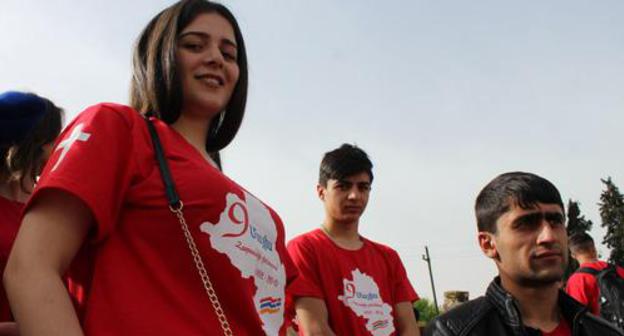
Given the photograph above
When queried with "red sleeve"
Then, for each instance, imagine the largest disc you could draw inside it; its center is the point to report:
(307, 284)
(584, 289)
(289, 266)
(93, 161)
(402, 287)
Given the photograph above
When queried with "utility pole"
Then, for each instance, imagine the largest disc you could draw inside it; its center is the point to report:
(428, 260)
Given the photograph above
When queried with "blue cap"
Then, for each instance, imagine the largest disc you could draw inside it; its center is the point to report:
(19, 113)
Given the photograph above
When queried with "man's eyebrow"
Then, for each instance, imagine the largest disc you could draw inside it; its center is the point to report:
(536, 216)
(206, 36)
(529, 217)
(554, 215)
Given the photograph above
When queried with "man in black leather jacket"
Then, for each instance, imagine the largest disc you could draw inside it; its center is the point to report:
(521, 224)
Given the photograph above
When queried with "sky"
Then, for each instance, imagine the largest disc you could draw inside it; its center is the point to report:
(443, 95)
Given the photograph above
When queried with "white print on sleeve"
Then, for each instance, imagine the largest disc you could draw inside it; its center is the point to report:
(362, 296)
(246, 233)
(76, 135)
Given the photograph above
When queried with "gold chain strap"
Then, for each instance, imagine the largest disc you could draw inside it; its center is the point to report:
(199, 264)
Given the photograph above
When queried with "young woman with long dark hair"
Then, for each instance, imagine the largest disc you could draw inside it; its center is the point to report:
(177, 247)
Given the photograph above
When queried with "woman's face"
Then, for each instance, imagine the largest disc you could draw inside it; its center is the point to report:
(206, 56)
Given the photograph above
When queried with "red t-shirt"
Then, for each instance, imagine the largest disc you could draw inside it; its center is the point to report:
(360, 288)
(144, 280)
(10, 212)
(584, 287)
(563, 329)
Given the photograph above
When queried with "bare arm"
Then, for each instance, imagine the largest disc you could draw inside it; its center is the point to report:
(52, 231)
(406, 320)
(312, 317)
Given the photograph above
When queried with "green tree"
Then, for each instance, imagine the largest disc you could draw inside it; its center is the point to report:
(576, 224)
(426, 310)
(612, 215)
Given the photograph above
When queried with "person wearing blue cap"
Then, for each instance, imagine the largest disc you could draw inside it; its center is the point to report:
(29, 124)
(19, 113)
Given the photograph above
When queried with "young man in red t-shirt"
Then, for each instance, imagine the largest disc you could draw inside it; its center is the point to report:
(584, 286)
(349, 285)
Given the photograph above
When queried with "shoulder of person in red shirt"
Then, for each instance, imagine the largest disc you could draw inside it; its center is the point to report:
(384, 249)
(302, 252)
(584, 287)
(600, 265)
(404, 289)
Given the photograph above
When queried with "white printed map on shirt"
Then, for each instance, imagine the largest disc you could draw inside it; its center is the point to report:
(362, 295)
(246, 233)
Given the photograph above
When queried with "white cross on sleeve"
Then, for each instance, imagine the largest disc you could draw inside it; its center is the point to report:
(76, 135)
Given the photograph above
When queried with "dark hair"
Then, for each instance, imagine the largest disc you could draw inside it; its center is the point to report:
(23, 158)
(516, 188)
(216, 157)
(581, 242)
(347, 160)
(156, 85)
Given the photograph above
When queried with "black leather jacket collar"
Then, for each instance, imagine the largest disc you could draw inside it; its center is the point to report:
(497, 314)
(505, 304)
(508, 310)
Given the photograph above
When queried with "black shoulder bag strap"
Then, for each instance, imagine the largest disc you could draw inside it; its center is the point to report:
(589, 270)
(163, 166)
(176, 206)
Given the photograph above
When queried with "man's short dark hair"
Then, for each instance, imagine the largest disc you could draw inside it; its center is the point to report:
(581, 242)
(345, 161)
(515, 188)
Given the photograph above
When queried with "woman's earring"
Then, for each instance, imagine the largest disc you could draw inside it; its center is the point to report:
(215, 128)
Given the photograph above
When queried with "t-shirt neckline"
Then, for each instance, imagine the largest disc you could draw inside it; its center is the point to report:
(562, 329)
(186, 143)
(331, 241)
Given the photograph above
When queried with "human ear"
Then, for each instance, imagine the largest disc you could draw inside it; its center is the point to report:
(320, 191)
(487, 243)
